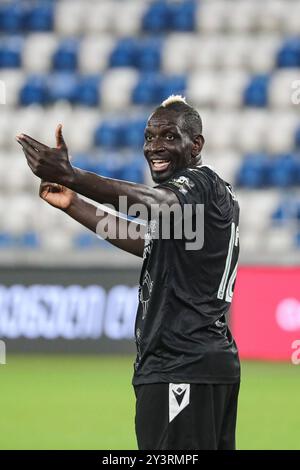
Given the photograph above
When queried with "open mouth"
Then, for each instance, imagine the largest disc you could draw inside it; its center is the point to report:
(159, 164)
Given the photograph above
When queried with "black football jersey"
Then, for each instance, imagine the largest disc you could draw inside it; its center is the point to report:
(181, 329)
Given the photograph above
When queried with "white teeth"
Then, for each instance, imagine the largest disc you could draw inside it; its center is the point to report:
(160, 161)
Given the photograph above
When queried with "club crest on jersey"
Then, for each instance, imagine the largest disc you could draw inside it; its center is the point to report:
(183, 184)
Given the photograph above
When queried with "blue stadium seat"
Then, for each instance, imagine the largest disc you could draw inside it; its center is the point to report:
(173, 85)
(134, 171)
(110, 134)
(62, 87)
(284, 171)
(28, 240)
(157, 17)
(107, 168)
(182, 16)
(12, 17)
(254, 171)
(134, 133)
(124, 53)
(39, 17)
(66, 56)
(288, 210)
(84, 240)
(256, 92)
(297, 138)
(82, 161)
(147, 90)
(11, 52)
(34, 91)
(6, 240)
(163, 16)
(148, 55)
(153, 88)
(289, 53)
(87, 91)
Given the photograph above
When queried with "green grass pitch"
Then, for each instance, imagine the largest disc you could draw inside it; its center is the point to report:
(87, 402)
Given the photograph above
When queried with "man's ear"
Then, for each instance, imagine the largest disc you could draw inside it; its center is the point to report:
(197, 145)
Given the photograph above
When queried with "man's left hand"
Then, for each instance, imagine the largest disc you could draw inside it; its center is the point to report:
(49, 164)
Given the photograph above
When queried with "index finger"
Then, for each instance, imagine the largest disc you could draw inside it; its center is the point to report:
(33, 143)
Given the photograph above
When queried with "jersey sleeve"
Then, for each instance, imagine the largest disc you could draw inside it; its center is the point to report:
(191, 186)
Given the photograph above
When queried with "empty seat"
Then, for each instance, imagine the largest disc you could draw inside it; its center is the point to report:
(281, 88)
(38, 51)
(34, 91)
(87, 91)
(287, 211)
(69, 18)
(202, 88)
(134, 132)
(289, 54)
(284, 171)
(252, 128)
(60, 112)
(94, 52)
(62, 86)
(222, 134)
(147, 90)
(128, 22)
(116, 88)
(12, 17)
(178, 53)
(254, 171)
(110, 134)
(242, 16)
(12, 81)
(99, 15)
(182, 15)
(5, 126)
(232, 85)
(262, 53)
(11, 53)
(39, 17)
(279, 134)
(148, 55)
(65, 57)
(210, 16)
(257, 91)
(271, 15)
(279, 240)
(207, 51)
(156, 17)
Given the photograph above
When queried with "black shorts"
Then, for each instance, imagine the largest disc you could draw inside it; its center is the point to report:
(186, 416)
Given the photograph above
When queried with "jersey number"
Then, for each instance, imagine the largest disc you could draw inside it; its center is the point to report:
(226, 286)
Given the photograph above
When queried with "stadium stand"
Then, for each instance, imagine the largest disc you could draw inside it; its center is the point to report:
(99, 67)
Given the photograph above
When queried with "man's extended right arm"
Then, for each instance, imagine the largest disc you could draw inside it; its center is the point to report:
(116, 230)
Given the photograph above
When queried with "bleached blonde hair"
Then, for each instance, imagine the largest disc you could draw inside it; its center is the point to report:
(173, 99)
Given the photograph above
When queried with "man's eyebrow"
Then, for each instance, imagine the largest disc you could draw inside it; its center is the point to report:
(166, 127)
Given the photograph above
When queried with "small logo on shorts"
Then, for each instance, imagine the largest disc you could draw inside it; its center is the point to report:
(179, 398)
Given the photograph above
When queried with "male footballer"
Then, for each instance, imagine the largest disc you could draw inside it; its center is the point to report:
(187, 371)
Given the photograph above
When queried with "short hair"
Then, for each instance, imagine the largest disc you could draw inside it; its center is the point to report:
(192, 122)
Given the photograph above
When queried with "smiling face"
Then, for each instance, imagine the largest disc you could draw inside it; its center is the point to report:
(168, 146)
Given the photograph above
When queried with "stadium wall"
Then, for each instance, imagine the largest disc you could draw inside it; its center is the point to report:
(93, 311)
